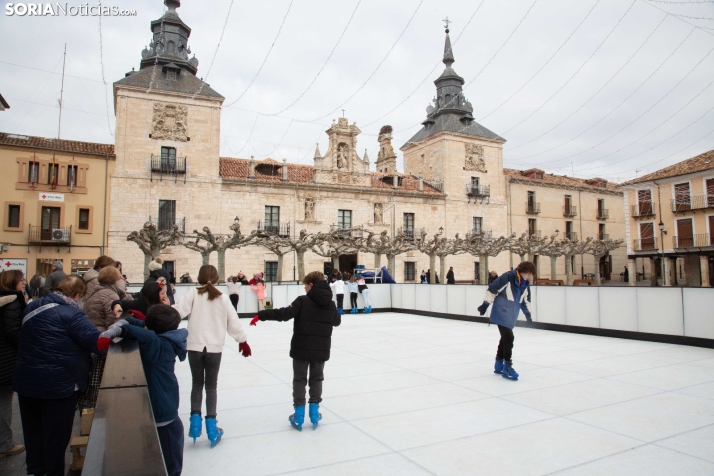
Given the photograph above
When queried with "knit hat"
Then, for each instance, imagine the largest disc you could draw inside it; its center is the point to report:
(156, 264)
(58, 264)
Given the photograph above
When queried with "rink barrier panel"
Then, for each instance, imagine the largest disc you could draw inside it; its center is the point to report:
(661, 314)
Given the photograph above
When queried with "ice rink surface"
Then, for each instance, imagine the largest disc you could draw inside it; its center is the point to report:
(413, 395)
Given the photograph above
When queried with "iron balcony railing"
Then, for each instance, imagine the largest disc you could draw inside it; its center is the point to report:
(694, 241)
(167, 223)
(698, 202)
(171, 166)
(534, 233)
(532, 208)
(570, 211)
(603, 214)
(480, 233)
(478, 191)
(572, 236)
(49, 235)
(274, 228)
(642, 210)
(645, 244)
(412, 233)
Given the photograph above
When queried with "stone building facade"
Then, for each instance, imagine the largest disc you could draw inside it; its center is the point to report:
(168, 170)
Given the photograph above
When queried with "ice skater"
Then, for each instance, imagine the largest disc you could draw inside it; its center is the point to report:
(362, 288)
(353, 288)
(315, 315)
(509, 294)
(338, 286)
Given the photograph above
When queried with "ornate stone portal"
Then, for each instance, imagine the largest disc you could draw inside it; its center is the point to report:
(170, 122)
(341, 165)
(474, 158)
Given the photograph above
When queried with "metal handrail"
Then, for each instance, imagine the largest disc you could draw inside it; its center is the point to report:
(532, 208)
(38, 234)
(570, 211)
(572, 236)
(695, 241)
(603, 214)
(478, 190)
(697, 202)
(644, 209)
(171, 166)
(275, 228)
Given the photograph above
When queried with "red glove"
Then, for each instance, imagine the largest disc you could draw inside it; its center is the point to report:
(103, 343)
(254, 321)
(137, 314)
(244, 349)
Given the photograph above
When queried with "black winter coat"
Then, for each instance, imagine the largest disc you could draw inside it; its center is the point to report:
(315, 315)
(12, 304)
(162, 273)
(55, 348)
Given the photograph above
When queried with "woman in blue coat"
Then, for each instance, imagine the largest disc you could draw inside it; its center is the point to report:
(509, 294)
(56, 340)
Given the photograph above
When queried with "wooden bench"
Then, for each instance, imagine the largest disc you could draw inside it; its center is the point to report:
(550, 282)
(583, 282)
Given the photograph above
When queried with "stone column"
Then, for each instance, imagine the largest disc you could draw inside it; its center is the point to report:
(673, 271)
(704, 267)
(420, 185)
(553, 267)
(285, 172)
(653, 271)
(395, 182)
(251, 167)
(632, 270)
(665, 272)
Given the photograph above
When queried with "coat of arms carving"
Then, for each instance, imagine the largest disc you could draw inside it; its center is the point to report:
(170, 122)
(474, 158)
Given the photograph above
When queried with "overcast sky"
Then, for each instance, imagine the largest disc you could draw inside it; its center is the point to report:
(609, 88)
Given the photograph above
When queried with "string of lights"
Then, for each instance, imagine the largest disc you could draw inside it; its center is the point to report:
(569, 157)
(266, 56)
(215, 53)
(678, 17)
(544, 64)
(104, 80)
(376, 69)
(300, 96)
(580, 108)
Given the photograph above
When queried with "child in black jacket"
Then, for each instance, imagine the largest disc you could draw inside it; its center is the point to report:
(315, 315)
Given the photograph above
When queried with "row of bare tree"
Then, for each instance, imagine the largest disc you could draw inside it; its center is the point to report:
(338, 242)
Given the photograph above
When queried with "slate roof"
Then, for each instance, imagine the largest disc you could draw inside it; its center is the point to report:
(238, 169)
(34, 142)
(186, 83)
(560, 180)
(700, 163)
(451, 123)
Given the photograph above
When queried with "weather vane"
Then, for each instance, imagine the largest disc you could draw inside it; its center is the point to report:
(446, 22)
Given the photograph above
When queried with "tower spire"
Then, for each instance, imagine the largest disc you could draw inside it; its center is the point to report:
(448, 52)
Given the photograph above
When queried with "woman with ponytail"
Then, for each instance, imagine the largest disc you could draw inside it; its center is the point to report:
(212, 316)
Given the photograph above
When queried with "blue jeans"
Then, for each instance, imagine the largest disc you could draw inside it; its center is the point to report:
(171, 439)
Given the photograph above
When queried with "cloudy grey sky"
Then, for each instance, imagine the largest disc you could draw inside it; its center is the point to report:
(609, 88)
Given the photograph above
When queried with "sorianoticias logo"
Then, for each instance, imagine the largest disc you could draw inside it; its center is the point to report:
(64, 9)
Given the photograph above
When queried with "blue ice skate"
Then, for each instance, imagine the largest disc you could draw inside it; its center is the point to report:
(340, 311)
(498, 367)
(194, 429)
(213, 433)
(508, 371)
(298, 418)
(315, 415)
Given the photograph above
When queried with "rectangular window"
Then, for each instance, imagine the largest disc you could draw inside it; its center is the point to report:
(569, 230)
(478, 225)
(168, 158)
(710, 192)
(568, 201)
(13, 216)
(531, 198)
(409, 271)
(685, 233)
(72, 176)
(272, 216)
(477, 271)
(644, 202)
(475, 182)
(409, 225)
(344, 219)
(271, 271)
(33, 175)
(600, 206)
(169, 266)
(532, 228)
(53, 174)
(84, 218)
(50, 221)
(601, 232)
(682, 197)
(167, 214)
(647, 237)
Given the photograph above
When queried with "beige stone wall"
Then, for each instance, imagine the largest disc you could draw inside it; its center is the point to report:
(585, 224)
(86, 244)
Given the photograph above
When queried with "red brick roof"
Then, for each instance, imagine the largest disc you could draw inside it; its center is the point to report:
(561, 180)
(238, 169)
(700, 163)
(34, 142)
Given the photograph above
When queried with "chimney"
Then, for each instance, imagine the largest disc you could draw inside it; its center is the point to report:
(285, 170)
(251, 168)
(395, 178)
(420, 187)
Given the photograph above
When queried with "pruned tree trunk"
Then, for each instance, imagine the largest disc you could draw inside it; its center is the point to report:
(442, 268)
(221, 265)
(300, 260)
(147, 259)
(483, 269)
(568, 271)
(432, 266)
(391, 263)
(205, 259)
(553, 267)
(279, 275)
(598, 279)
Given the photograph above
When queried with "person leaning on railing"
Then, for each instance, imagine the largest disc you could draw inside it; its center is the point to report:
(56, 341)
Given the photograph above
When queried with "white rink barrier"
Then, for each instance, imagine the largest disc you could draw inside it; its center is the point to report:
(617, 311)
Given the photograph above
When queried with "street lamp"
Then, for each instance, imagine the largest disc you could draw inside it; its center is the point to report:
(662, 232)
